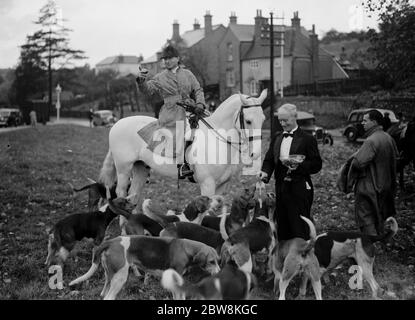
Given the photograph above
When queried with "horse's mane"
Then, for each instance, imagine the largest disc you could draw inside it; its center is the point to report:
(230, 100)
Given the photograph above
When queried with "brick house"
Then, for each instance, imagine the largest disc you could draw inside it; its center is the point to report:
(245, 58)
(235, 43)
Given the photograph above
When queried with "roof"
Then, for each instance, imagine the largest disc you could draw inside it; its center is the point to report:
(296, 44)
(192, 37)
(151, 59)
(119, 59)
(244, 32)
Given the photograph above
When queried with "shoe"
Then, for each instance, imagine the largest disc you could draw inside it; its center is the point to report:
(184, 171)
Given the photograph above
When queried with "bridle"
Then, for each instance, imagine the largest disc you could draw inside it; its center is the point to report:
(242, 134)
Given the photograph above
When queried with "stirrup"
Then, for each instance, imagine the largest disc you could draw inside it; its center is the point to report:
(184, 171)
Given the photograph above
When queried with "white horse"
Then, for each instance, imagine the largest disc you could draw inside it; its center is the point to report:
(233, 123)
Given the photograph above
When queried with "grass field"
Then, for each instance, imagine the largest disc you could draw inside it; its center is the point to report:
(36, 166)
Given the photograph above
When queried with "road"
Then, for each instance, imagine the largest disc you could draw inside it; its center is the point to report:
(53, 121)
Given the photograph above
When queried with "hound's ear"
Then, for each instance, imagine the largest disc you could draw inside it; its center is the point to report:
(191, 211)
(199, 256)
(240, 253)
(202, 203)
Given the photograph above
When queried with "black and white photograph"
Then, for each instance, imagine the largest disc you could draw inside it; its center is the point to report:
(207, 150)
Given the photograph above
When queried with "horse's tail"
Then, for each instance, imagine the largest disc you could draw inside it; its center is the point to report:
(108, 174)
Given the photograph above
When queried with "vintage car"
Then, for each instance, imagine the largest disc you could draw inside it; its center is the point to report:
(10, 117)
(307, 122)
(103, 118)
(354, 130)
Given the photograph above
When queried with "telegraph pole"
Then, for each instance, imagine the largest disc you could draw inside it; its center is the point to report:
(271, 72)
(268, 31)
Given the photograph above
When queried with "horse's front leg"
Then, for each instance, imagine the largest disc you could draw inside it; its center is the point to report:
(208, 187)
(222, 189)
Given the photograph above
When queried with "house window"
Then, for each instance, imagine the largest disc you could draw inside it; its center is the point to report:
(254, 64)
(230, 78)
(253, 87)
(230, 52)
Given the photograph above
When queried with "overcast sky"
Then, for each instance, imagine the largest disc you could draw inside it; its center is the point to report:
(104, 28)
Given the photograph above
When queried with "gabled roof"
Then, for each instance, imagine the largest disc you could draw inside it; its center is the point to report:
(192, 37)
(244, 32)
(119, 59)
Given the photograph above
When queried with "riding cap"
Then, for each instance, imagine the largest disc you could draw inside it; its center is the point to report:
(169, 52)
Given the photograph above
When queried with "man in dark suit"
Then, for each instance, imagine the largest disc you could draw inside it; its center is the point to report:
(295, 196)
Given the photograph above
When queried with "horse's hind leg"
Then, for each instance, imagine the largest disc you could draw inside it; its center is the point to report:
(140, 174)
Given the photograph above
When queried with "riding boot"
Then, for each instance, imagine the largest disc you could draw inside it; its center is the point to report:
(184, 170)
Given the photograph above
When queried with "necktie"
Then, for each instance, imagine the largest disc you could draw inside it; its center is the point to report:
(286, 135)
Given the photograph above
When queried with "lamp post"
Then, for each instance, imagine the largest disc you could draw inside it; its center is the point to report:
(58, 101)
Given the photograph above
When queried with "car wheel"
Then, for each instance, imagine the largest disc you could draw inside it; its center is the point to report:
(328, 140)
(351, 134)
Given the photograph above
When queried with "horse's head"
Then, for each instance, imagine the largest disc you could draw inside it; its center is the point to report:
(249, 121)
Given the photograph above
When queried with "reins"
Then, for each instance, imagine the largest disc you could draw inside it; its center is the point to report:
(242, 125)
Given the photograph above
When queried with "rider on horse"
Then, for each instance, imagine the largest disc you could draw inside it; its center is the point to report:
(175, 84)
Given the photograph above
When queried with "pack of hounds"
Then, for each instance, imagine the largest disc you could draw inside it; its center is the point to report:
(225, 244)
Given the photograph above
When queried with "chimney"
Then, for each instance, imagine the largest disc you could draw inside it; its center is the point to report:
(314, 54)
(295, 22)
(208, 23)
(233, 18)
(259, 22)
(196, 25)
(176, 32)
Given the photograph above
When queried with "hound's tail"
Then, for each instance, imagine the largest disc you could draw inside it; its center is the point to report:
(80, 189)
(313, 235)
(108, 174)
(391, 225)
(96, 255)
(159, 217)
(171, 280)
(118, 211)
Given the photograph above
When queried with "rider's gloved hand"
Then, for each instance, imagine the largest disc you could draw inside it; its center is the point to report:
(199, 109)
(142, 75)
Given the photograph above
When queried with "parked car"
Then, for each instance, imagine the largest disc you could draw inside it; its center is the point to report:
(10, 117)
(103, 118)
(307, 122)
(355, 130)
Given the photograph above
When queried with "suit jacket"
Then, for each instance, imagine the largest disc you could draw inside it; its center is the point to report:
(302, 143)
